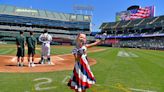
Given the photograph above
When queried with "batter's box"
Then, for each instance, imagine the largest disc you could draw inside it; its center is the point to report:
(46, 64)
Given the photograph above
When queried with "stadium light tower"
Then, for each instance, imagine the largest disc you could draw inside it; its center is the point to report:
(83, 9)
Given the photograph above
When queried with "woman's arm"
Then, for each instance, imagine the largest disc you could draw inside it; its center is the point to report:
(93, 44)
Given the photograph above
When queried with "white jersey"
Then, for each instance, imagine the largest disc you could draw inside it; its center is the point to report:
(45, 38)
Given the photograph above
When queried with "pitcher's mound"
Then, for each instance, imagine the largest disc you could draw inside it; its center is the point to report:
(59, 63)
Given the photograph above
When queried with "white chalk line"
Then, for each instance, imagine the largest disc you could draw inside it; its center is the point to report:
(13, 59)
(132, 89)
(58, 58)
(126, 54)
(133, 55)
(6, 56)
(141, 90)
(65, 80)
(122, 54)
(52, 63)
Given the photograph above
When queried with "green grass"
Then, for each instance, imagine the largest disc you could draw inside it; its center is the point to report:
(55, 50)
(113, 73)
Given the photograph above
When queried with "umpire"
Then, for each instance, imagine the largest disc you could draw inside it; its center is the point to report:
(20, 42)
(31, 43)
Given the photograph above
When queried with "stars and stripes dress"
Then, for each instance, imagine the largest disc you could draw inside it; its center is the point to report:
(82, 77)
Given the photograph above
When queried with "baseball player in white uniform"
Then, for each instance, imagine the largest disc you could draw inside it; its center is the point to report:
(45, 38)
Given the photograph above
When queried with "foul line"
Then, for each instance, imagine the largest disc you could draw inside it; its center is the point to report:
(59, 58)
(6, 56)
(126, 89)
(141, 90)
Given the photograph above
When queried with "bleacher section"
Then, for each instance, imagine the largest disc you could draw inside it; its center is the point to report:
(123, 24)
(153, 21)
(145, 33)
(148, 43)
(60, 25)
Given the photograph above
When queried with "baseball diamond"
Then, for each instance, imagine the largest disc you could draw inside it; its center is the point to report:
(101, 49)
(114, 70)
(59, 62)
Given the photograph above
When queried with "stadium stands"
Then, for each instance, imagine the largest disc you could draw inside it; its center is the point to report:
(141, 33)
(63, 25)
(149, 43)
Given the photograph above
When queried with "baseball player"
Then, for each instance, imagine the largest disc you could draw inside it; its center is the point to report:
(20, 42)
(45, 38)
(31, 44)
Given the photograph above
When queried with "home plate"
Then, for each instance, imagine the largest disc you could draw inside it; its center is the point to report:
(45, 64)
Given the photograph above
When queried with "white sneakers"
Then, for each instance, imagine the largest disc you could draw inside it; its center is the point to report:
(49, 62)
(20, 64)
(44, 62)
(31, 64)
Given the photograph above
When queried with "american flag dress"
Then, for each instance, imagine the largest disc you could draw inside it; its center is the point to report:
(82, 77)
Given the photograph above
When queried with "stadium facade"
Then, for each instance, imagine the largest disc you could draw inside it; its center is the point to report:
(63, 27)
(139, 33)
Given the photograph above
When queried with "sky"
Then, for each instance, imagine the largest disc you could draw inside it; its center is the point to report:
(104, 10)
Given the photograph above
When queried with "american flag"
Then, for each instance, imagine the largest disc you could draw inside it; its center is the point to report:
(136, 13)
(140, 13)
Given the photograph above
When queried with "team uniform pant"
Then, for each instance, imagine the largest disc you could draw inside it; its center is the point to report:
(46, 50)
(20, 52)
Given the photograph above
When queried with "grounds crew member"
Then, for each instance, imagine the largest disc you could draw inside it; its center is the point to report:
(31, 44)
(20, 42)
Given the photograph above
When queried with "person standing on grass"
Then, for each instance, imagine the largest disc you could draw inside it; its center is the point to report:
(82, 77)
(20, 42)
(31, 44)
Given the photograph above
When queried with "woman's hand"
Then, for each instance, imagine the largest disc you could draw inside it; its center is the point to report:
(93, 44)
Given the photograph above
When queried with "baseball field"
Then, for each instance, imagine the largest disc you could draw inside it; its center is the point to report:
(115, 70)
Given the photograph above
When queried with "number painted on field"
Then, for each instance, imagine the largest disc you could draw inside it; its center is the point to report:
(65, 79)
(47, 81)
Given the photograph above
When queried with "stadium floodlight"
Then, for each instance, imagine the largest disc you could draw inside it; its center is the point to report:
(83, 8)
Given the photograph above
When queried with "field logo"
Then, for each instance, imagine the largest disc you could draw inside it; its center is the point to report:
(48, 81)
(126, 54)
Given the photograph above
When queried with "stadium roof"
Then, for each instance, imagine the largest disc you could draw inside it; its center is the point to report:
(28, 12)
